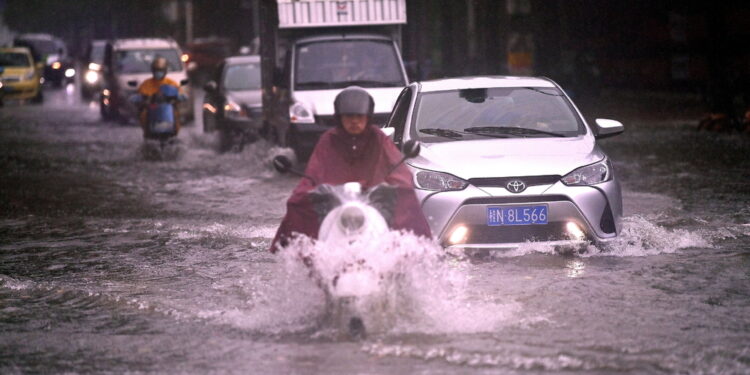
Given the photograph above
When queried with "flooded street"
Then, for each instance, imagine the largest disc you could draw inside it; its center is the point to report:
(110, 262)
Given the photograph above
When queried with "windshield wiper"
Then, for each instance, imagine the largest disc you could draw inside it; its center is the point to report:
(445, 133)
(374, 83)
(542, 91)
(508, 132)
(315, 85)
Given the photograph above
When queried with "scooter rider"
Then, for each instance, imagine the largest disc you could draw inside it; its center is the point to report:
(150, 87)
(353, 151)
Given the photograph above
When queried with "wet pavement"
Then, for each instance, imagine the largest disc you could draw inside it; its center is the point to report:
(111, 262)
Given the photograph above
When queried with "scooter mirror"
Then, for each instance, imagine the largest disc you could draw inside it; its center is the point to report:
(282, 164)
(411, 149)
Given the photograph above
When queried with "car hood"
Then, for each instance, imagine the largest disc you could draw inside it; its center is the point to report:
(509, 157)
(16, 72)
(249, 98)
(320, 102)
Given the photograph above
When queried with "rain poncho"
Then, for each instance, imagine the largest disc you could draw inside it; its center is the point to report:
(340, 157)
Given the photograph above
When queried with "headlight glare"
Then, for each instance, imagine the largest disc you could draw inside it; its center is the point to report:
(431, 180)
(589, 175)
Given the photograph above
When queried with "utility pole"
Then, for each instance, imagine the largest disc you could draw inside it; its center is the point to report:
(188, 21)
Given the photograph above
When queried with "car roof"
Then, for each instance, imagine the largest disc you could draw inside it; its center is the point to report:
(477, 82)
(338, 37)
(242, 59)
(24, 50)
(38, 36)
(141, 43)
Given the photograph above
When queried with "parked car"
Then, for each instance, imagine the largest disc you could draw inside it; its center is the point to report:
(506, 160)
(233, 103)
(92, 62)
(59, 67)
(127, 63)
(21, 79)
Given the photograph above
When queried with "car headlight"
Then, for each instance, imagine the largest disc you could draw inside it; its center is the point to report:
(92, 76)
(298, 113)
(233, 110)
(70, 72)
(439, 181)
(589, 175)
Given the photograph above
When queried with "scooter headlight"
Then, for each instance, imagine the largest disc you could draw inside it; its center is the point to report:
(352, 219)
(589, 175)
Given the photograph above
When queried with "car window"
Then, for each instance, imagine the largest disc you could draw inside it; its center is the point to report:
(242, 77)
(494, 112)
(14, 59)
(97, 54)
(338, 64)
(398, 116)
(139, 60)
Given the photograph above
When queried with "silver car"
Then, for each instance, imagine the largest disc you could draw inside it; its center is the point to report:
(508, 160)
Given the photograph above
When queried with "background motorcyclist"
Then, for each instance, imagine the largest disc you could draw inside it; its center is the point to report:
(149, 90)
(353, 151)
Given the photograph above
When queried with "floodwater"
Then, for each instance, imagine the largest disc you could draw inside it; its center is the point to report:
(110, 262)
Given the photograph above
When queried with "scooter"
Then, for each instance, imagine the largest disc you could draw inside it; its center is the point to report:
(161, 122)
(350, 218)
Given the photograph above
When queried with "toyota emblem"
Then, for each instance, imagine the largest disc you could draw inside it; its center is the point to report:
(515, 186)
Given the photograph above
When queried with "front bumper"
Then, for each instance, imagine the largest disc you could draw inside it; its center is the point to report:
(20, 89)
(596, 210)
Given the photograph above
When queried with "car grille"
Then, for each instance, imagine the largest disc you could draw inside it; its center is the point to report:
(503, 181)
(11, 79)
(482, 234)
(378, 119)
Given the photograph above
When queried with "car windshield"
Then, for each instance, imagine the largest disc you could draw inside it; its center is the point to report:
(14, 59)
(97, 53)
(139, 60)
(42, 47)
(517, 112)
(242, 77)
(338, 64)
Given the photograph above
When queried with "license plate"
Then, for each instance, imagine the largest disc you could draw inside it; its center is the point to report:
(517, 215)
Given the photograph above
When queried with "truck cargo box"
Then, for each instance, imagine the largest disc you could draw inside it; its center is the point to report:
(331, 13)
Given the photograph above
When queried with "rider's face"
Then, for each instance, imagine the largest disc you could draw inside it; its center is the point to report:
(354, 124)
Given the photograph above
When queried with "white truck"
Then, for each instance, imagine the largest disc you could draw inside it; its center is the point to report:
(312, 49)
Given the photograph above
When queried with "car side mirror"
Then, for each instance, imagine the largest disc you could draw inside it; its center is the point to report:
(282, 164)
(133, 83)
(608, 128)
(210, 86)
(389, 132)
(278, 79)
(411, 149)
(184, 82)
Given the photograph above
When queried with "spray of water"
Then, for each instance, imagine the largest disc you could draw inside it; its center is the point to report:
(403, 283)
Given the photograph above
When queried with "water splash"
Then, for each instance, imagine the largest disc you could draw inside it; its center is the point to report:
(420, 288)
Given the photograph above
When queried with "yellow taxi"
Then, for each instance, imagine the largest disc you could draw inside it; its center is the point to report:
(21, 78)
